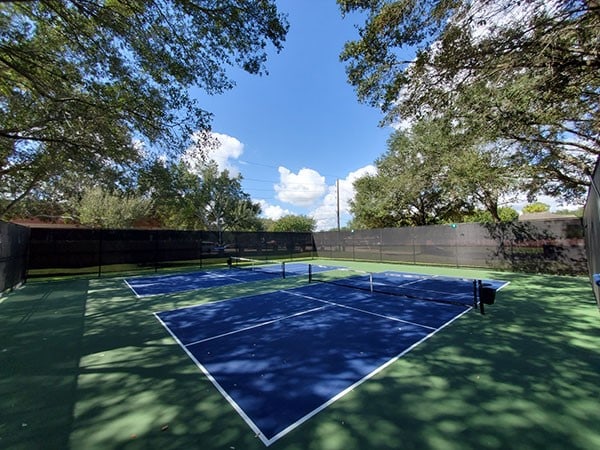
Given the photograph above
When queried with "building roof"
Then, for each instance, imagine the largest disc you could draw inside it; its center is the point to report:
(525, 217)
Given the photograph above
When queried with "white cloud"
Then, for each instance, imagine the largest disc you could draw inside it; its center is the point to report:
(301, 189)
(223, 150)
(273, 212)
(230, 148)
(326, 214)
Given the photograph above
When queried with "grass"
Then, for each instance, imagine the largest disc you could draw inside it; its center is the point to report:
(85, 365)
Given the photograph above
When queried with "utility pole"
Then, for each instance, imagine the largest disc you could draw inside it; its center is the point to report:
(337, 185)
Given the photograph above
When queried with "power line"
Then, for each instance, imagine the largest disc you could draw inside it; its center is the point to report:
(243, 161)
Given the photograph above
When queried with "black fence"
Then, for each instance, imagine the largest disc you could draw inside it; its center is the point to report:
(591, 221)
(56, 251)
(553, 246)
(14, 241)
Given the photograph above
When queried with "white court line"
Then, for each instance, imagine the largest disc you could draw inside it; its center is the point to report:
(223, 392)
(255, 326)
(350, 388)
(207, 275)
(361, 310)
(506, 283)
(268, 441)
(131, 287)
(214, 302)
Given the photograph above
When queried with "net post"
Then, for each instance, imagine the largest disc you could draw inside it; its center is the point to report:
(481, 307)
(229, 262)
(310, 273)
(474, 293)
(282, 269)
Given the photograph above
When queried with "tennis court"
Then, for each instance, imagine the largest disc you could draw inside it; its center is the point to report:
(242, 270)
(281, 357)
(85, 364)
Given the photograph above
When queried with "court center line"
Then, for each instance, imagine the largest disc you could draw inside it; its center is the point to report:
(261, 324)
(362, 310)
(241, 280)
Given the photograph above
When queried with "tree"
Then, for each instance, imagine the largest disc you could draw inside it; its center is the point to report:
(433, 173)
(174, 192)
(266, 224)
(228, 207)
(352, 225)
(373, 204)
(57, 196)
(82, 83)
(102, 209)
(485, 174)
(532, 81)
(411, 186)
(295, 223)
(536, 207)
(505, 214)
(207, 199)
(571, 212)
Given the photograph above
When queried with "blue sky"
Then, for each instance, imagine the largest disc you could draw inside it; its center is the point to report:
(296, 131)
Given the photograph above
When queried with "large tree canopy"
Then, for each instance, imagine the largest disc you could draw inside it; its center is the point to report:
(296, 223)
(81, 81)
(511, 70)
(431, 174)
(201, 199)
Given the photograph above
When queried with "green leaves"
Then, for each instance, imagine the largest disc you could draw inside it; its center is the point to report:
(102, 209)
(295, 223)
(434, 173)
(205, 200)
(526, 73)
(82, 82)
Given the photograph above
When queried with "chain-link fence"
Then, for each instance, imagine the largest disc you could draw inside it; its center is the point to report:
(552, 246)
(14, 240)
(591, 220)
(80, 250)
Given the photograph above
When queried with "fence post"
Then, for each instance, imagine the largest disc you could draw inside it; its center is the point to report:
(456, 243)
(100, 253)
(155, 248)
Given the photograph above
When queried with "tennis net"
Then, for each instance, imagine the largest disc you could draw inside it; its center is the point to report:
(449, 290)
(257, 265)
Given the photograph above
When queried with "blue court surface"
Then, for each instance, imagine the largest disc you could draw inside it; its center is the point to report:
(169, 284)
(280, 358)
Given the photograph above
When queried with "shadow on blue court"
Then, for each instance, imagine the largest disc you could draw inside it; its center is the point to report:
(280, 358)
